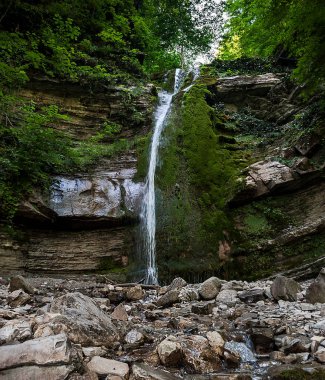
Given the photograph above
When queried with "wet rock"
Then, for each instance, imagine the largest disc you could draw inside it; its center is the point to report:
(120, 313)
(135, 293)
(316, 291)
(241, 350)
(103, 366)
(18, 298)
(284, 288)
(198, 357)
(169, 298)
(59, 372)
(15, 330)
(42, 352)
(202, 308)
(216, 341)
(142, 371)
(228, 297)
(210, 288)
(86, 324)
(170, 352)
(292, 344)
(134, 337)
(251, 295)
(19, 282)
(262, 338)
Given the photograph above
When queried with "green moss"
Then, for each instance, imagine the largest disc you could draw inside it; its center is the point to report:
(196, 178)
(299, 373)
(256, 224)
(109, 265)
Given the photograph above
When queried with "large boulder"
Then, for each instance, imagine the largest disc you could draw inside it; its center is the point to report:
(85, 322)
(210, 288)
(316, 291)
(52, 350)
(15, 330)
(284, 288)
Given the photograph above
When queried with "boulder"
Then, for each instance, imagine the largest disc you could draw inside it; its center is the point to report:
(85, 322)
(251, 295)
(120, 313)
(18, 298)
(228, 297)
(198, 356)
(134, 337)
(216, 341)
(19, 282)
(170, 352)
(202, 308)
(60, 372)
(102, 366)
(241, 350)
(171, 297)
(188, 294)
(53, 350)
(135, 293)
(320, 355)
(316, 291)
(90, 352)
(284, 288)
(177, 283)
(15, 330)
(262, 338)
(142, 371)
(210, 288)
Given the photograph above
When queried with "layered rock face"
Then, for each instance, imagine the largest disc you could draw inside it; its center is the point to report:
(86, 222)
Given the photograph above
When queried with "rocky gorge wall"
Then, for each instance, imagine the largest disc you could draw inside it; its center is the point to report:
(86, 222)
(240, 185)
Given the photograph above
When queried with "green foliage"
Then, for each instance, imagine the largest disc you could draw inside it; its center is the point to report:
(29, 151)
(270, 27)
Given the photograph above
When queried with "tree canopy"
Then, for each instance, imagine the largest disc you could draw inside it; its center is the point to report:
(268, 27)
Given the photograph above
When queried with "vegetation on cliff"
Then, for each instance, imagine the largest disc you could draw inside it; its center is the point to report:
(292, 30)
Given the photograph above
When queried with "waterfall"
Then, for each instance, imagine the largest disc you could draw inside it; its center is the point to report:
(148, 210)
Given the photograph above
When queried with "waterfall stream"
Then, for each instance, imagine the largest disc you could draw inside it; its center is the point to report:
(148, 210)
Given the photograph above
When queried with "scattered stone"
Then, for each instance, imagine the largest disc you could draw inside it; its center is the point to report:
(135, 293)
(284, 288)
(188, 294)
(210, 288)
(20, 282)
(228, 297)
(90, 352)
(85, 323)
(142, 371)
(103, 366)
(202, 308)
(262, 338)
(316, 291)
(120, 313)
(18, 298)
(15, 330)
(177, 283)
(216, 341)
(134, 337)
(170, 352)
(169, 298)
(198, 356)
(251, 295)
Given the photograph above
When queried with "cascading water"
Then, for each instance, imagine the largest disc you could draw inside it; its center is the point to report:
(148, 210)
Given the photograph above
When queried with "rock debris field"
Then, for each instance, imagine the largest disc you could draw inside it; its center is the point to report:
(89, 328)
